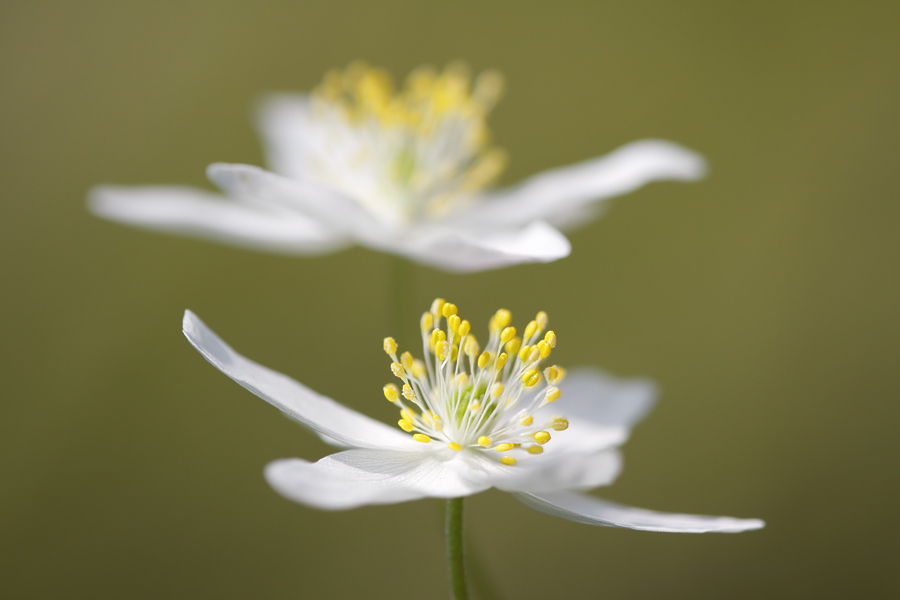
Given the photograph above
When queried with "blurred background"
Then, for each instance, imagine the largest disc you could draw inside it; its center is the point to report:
(763, 300)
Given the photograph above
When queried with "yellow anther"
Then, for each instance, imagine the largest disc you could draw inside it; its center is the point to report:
(442, 349)
(530, 329)
(406, 360)
(437, 307)
(526, 420)
(455, 353)
(427, 321)
(559, 424)
(437, 423)
(448, 309)
(462, 379)
(453, 322)
(405, 425)
(390, 346)
(391, 392)
(544, 348)
(475, 406)
(504, 447)
(513, 345)
(542, 437)
(531, 377)
(463, 329)
(502, 318)
(408, 416)
(507, 334)
(552, 394)
(438, 335)
(421, 437)
(508, 460)
(497, 390)
(484, 441)
(550, 338)
(418, 368)
(484, 359)
(561, 374)
(454, 446)
(501, 360)
(524, 352)
(397, 369)
(535, 450)
(408, 392)
(542, 320)
(551, 373)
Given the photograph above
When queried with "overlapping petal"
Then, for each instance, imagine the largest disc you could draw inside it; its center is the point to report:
(561, 196)
(198, 213)
(332, 421)
(582, 508)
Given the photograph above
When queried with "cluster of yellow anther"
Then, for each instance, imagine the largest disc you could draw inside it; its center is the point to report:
(431, 109)
(474, 398)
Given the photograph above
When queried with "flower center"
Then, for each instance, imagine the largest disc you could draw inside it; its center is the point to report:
(474, 399)
(407, 154)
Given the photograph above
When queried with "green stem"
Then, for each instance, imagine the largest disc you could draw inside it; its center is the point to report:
(455, 559)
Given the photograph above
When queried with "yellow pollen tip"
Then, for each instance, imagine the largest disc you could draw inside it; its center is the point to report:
(405, 414)
(530, 329)
(453, 323)
(508, 460)
(501, 360)
(526, 420)
(406, 360)
(559, 424)
(437, 307)
(442, 349)
(513, 345)
(507, 334)
(421, 437)
(408, 392)
(531, 377)
(448, 309)
(542, 437)
(550, 338)
(405, 425)
(542, 320)
(551, 373)
(552, 394)
(544, 348)
(484, 441)
(397, 369)
(438, 335)
(484, 359)
(497, 390)
(454, 446)
(535, 450)
(463, 329)
(524, 352)
(418, 368)
(391, 392)
(506, 447)
(502, 318)
(427, 321)
(390, 346)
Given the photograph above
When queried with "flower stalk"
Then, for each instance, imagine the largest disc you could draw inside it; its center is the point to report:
(455, 555)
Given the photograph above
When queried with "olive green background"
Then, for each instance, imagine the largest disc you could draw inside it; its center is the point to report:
(764, 300)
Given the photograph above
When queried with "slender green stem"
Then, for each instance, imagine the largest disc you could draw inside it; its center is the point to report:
(455, 558)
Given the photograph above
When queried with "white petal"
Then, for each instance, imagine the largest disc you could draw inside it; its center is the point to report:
(334, 422)
(593, 511)
(327, 205)
(601, 410)
(554, 470)
(560, 196)
(357, 477)
(283, 123)
(467, 251)
(203, 214)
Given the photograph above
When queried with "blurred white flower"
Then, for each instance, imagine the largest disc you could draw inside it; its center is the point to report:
(471, 419)
(404, 172)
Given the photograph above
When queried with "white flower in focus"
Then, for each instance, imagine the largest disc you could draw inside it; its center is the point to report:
(402, 171)
(469, 419)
